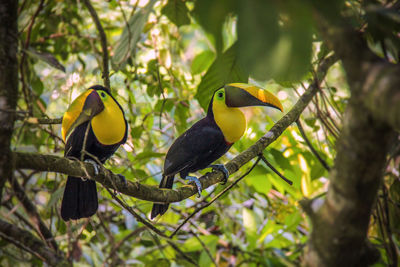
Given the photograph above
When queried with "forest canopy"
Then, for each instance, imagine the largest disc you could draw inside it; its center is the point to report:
(316, 185)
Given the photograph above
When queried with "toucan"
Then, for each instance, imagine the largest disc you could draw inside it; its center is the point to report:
(211, 137)
(94, 119)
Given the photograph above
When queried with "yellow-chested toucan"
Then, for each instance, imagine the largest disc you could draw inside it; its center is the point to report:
(97, 109)
(211, 137)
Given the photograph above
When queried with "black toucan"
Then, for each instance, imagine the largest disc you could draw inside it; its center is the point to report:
(98, 113)
(211, 137)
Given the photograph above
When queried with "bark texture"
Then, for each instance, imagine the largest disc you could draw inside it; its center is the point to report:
(8, 83)
(340, 222)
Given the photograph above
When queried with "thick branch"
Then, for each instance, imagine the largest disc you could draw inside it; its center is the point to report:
(8, 83)
(370, 77)
(381, 94)
(25, 240)
(340, 224)
(153, 193)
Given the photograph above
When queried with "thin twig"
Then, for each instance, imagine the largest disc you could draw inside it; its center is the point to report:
(160, 87)
(34, 216)
(19, 216)
(204, 247)
(215, 198)
(25, 90)
(195, 235)
(162, 94)
(275, 170)
(103, 41)
(316, 154)
(121, 242)
(30, 243)
(33, 120)
(83, 152)
(136, 215)
(186, 257)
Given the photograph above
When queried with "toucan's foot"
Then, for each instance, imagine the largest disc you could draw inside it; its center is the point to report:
(197, 182)
(221, 168)
(123, 179)
(95, 165)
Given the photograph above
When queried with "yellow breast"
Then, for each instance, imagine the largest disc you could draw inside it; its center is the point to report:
(231, 121)
(109, 125)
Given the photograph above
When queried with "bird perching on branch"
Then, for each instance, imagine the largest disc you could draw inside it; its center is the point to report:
(211, 137)
(94, 126)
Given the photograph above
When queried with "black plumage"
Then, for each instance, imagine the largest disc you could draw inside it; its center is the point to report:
(80, 195)
(194, 150)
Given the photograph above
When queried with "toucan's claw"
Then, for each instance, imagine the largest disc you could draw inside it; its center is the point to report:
(123, 179)
(197, 182)
(95, 165)
(221, 168)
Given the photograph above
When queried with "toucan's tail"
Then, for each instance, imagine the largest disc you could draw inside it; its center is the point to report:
(79, 200)
(166, 182)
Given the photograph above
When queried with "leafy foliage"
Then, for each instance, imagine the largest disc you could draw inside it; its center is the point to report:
(168, 57)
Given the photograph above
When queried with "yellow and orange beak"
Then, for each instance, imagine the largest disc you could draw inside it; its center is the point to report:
(244, 95)
(82, 109)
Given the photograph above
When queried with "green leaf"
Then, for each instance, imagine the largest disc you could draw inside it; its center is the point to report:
(317, 170)
(250, 225)
(46, 57)
(192, 244)
(126, 45)
(270, 50)
(137, 131)
(260, 183)
(54, 197)
(211, 16)
(283, 162)
(148, 154)
(181, 115)
(310, 122)
(202, 61)
(225, 69)
(394, 191)
(177, 12)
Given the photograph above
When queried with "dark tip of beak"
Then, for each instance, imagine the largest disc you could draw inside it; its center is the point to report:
(237, 97)
(93, 104)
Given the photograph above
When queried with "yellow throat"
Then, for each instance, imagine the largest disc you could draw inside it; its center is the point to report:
(231, 121)
(109, 125)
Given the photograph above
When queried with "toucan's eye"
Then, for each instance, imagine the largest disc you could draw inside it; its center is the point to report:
(220, 95)
(103, 95)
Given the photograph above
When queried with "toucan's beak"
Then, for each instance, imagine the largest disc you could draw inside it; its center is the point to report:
(82, 109)
(244, 95)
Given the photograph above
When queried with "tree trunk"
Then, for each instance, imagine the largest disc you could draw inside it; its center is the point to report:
(8, 83)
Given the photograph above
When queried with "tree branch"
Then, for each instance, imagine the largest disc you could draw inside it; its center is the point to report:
(152, 193)
(340, 223)
(103, 41)
(313, 150)
(226, 189)
(372, 78)
(25, 240)
(8, 83)
(34, 216)
(34, 120)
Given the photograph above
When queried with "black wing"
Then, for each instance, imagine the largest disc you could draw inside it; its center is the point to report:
(195, 149)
